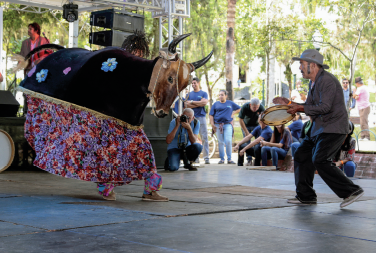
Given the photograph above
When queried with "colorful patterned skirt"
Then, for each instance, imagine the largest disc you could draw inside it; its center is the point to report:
(72, 142)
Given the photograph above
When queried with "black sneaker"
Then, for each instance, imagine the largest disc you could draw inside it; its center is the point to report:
(190, 167)
(207, 161)
(298, 200)
(352, 198)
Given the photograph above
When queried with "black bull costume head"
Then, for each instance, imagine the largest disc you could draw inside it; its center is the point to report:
(112, 81)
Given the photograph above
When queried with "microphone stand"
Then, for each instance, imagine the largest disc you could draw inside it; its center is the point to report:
(46, 38)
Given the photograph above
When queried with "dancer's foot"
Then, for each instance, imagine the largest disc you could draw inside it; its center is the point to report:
(154, 196)
(111, 196)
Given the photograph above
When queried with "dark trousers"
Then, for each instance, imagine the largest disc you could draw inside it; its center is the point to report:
(249, 157)
(317, 153)
(255, 151)
(175, 154)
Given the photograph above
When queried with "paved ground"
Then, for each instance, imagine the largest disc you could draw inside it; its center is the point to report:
(220, 208)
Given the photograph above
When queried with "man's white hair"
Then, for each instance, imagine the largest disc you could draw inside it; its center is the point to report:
(189, 110)
(255, 101)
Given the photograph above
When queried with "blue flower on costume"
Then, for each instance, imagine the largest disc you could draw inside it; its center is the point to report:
(42, 75)
(109, 65)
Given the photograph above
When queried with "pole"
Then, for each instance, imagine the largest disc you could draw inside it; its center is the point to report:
(1, 47)
(294, 81)
(263, 92)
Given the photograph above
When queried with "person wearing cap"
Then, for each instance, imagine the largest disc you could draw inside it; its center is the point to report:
(362, 98)
(326, 106)
(346, 94)
(197, 100)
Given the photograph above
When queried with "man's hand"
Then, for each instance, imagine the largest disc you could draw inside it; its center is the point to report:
(186, 125)
(214, 128)
(241, 152)
(177, 120)
(236, 148)
(280, 101)
(294, 108)
(338, 164)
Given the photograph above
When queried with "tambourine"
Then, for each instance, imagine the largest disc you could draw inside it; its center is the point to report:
(7, 150)
(277, 115)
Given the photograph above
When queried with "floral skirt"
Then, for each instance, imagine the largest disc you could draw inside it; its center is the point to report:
(75, 143)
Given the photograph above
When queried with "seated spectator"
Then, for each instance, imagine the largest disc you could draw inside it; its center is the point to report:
(304, 132)
(181, 140)
(296, 127)
(278, 146)
(345, 156)
(261, 132)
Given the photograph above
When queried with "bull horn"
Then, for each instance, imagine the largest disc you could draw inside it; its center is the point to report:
(175, 42)
(199, 63)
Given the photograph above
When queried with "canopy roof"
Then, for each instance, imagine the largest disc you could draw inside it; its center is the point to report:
(91, 5)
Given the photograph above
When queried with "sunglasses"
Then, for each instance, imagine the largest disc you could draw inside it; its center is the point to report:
(345, 82)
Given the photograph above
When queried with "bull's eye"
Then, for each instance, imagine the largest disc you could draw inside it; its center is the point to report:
(170, 80)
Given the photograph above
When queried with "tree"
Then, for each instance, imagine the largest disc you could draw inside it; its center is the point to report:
(230, 46)
(206, 24)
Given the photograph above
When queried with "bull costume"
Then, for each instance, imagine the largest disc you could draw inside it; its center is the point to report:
(85, 113)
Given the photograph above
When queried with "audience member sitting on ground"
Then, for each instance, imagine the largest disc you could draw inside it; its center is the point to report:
(261, 132)
(304, 132)
(296, 127)
(278, 146)
(345, 156)
(181, 140)
(221, 118)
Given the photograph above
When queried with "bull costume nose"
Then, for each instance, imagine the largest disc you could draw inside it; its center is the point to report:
(161, 114)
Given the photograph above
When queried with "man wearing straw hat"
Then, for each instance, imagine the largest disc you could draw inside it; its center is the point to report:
(326, 107)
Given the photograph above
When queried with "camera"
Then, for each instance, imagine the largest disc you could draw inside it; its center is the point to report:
(183, 118)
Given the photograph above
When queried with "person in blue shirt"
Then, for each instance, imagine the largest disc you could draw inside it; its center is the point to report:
(346, 93)
(261, 133)
(278, 146)
(221, 117)
(181, 140)
(296, 127)
(197, 100)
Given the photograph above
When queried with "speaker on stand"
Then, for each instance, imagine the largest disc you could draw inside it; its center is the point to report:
(121, 24)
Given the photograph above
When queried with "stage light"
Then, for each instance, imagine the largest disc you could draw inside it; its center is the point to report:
(70, 12)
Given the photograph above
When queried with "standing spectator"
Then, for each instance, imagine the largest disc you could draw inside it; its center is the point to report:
(295, 94)
(345, 156)
(249, 120)
(181, 140)
(34, 41)
(364, 107)
(326, 106)
(346, 94)
(197, 100)
(296, 127)
(278, 146)
(221, 119)
(261, 133)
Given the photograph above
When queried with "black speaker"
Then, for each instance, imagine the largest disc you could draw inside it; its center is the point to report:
(108, 38)
(8, 104)
(112, 19)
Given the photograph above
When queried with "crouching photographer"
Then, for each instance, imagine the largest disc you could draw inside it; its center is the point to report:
(181, 140)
